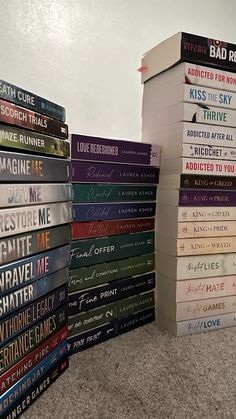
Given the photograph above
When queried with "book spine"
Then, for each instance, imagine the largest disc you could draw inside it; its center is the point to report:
(207, 245)
(108, 293)
(30, 141)
(208, 51)
(110, 228)
(205, 288)
(21, 97)
(30, 339)
(110, 150)
(9, 303)
(206, 229)
(17, 371)
(17, 322)
(206, 214)
(80, 323)
(135, 304)
(12, 195)
(206, 167)
(197, 309)
(21, 220)
(208, 152)
(17, 167)
(22, 245)
(26, 271)
(208, 96)
(209, 198)
(206, 324)
(136, 320)
(206, 266)
(92, 337)
(102, 273)
(16, 115)
(213, 135)
(91, 319)
(208, 182)
(96, 212)
(88, 172)
(209, 115)
(37, 390)
(25, 295)
(26, 382)
(210, 77)
(92, 192)
(91, 251)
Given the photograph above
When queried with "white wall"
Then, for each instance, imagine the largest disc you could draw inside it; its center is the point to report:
(84, 54)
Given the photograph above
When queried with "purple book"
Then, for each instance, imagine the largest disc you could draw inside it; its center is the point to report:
(84, 147)
(113, 173)
(207, 198)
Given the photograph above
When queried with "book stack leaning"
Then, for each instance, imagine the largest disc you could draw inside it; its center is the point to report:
(190, 109)
(112, 272)
(35, 215)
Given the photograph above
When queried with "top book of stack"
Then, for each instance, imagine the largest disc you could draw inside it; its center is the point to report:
(191, 48)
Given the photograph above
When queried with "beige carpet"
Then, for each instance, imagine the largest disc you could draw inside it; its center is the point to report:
(149, 374)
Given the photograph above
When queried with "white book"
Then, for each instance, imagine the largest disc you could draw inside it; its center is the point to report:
(189, 112)
(194, 267)
(158, 95)
(172, 136)
(194, 309)
(196, 246)
(189, 327)
(196, 229)
(195, 166)
(187, 47)
(175, 214)
(199, 151)
(171, 291)
(194, 74)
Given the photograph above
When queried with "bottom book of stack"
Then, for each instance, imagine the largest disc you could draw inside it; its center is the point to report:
(118, 315)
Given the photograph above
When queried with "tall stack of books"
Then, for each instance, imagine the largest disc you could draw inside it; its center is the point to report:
(190, 110)
(112, 272)
(35, 216)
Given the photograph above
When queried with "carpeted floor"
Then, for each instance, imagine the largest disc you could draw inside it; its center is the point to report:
(147, 374)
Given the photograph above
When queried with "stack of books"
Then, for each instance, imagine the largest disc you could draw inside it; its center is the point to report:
(35, 216)
(190, 110)
(112, 272)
